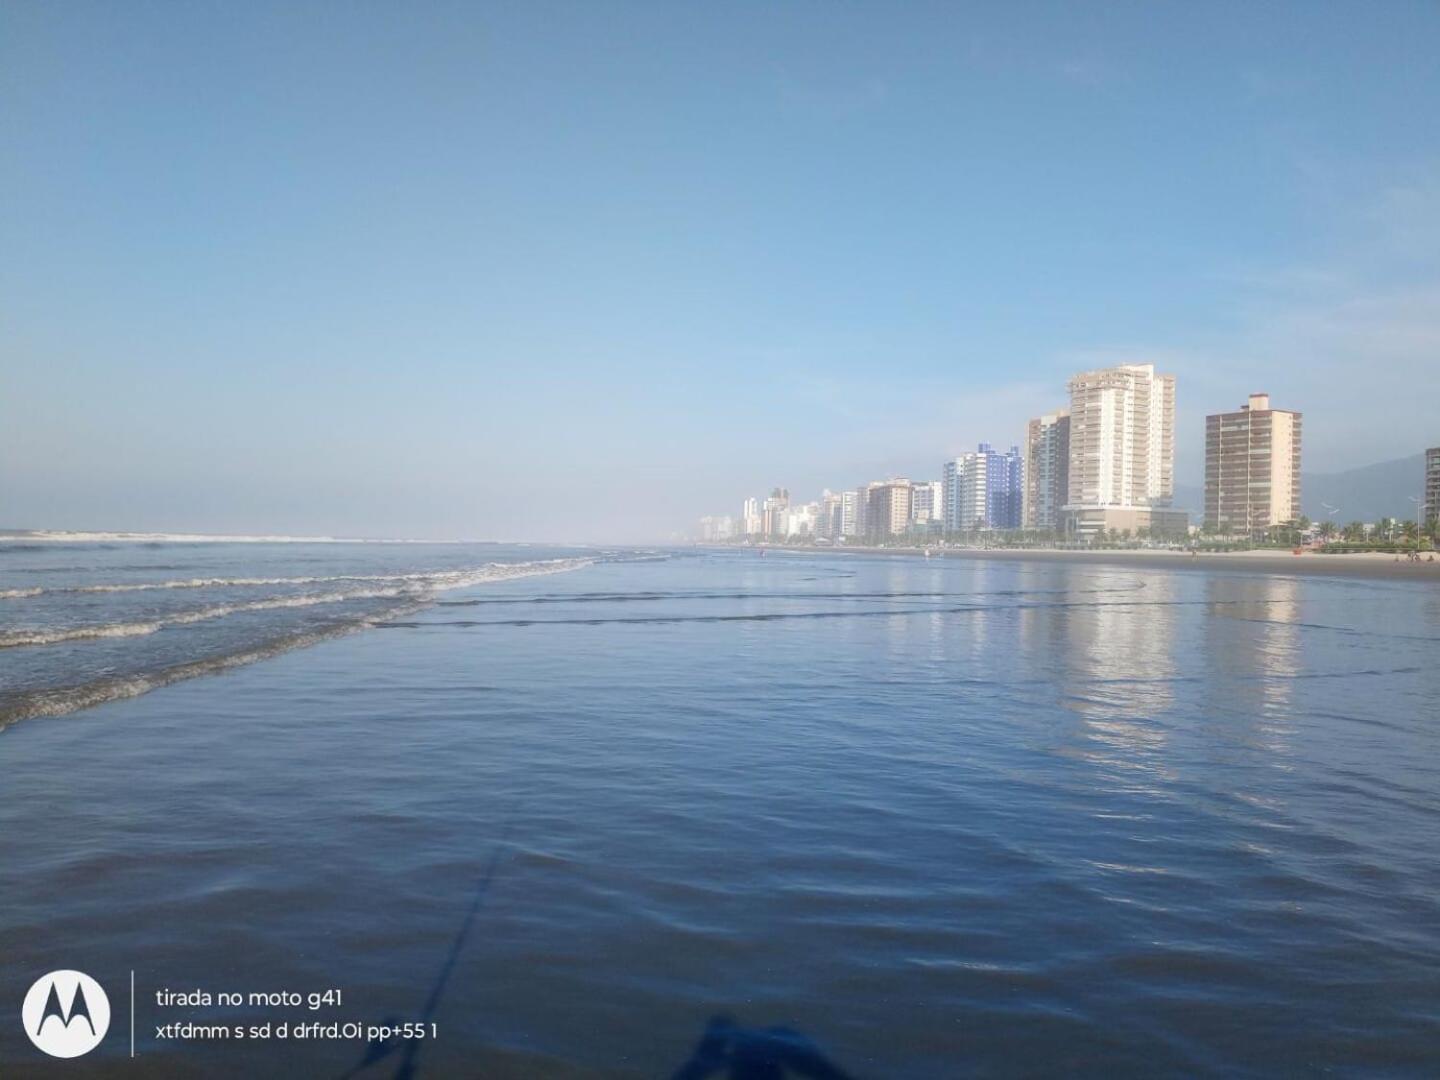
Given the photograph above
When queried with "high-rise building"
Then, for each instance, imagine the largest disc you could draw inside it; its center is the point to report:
(984, 490)
(1252, 467)
(802, 519)
(927, 502)
(1122, 451)
(775, 513)
(1047, 470)
(830, 518)
(751, 523)
(1432, 483)
(1005, 483)
(966, 492)
(850, 503)
(714, 529)
(887, 508)
(1122, 437)
(862, 503)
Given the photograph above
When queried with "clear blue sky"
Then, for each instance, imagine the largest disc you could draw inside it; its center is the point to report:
(589, 270)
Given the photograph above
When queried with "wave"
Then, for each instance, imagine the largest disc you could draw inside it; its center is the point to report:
(12, 639)
(32, 540)
(415, 585)
(436, 579)
(62, 700)
(59, 702)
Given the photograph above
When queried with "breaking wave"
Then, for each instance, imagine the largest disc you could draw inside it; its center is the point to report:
(410, 591)
(430, 580)
(17, 638)
(58, 702)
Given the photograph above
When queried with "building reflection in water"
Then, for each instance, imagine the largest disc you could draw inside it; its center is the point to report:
(1252, 655)
(1108, 647)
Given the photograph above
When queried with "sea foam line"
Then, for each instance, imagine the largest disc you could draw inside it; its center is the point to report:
(19, 638)
(412, 585)
(437, 579)
(64, 700)
(60, 701)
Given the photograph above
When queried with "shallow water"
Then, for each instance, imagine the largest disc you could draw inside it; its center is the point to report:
(943, 818)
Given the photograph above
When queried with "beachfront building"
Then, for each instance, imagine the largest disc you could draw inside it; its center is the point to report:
(1047, 470)
(751, 523)
(1252, 468)
(829, 518)
(717, 528)
(801, 520)
(862, 499)
(887, 509)
(927, 503)
(965, 492)
(1432, 484)
(775, 514)
(850, 513)
(1005, 484)
(984, 490)
(1122, 453)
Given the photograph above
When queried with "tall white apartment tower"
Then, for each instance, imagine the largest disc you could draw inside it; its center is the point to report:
(1122, 449)
(1122, 437)
(850, 519)
(966, 499)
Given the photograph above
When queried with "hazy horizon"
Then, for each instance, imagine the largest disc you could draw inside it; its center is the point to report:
(566, 272)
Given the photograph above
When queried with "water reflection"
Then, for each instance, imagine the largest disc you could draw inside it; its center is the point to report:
(1252, 653)
(1118, 663)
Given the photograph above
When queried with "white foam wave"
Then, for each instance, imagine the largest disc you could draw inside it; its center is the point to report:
(435, 579)
(15, 638)
(416, 586)
(64, 700)
(66, 536)
(59, 702)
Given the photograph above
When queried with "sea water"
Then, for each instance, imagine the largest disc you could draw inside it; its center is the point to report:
(572, 809)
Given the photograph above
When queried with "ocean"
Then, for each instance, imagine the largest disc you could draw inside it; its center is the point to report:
(583, 812)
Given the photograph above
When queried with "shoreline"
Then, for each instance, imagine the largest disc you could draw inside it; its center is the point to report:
(1370, 565)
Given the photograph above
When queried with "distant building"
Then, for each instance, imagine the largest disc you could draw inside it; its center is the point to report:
(1047, 470)
(1432, 483)
(1005, 480)
(966, 492)
(927, 502)
(715, 529)
(830, 518)
(751, 522)
(850, 513)
(801, 520)
(887, 509)
(862, 501)
(984, 490)
(1252, 467)
(1122, 452)
(775, 514)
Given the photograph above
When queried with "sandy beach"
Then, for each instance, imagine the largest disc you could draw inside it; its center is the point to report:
(1356, 565)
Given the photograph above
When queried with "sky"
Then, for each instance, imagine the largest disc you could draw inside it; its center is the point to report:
(588, 271)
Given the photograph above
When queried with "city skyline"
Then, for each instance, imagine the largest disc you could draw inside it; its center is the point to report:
(1112, 472)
